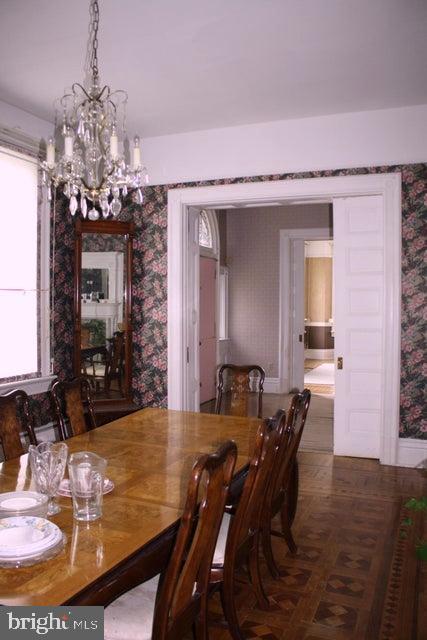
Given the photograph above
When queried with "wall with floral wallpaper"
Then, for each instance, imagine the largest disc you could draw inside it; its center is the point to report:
(150, 289)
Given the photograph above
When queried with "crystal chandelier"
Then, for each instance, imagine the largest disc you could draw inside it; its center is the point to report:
(88, 161)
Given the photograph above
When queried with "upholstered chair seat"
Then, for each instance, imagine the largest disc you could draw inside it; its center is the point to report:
(131, 615)
(219, 553)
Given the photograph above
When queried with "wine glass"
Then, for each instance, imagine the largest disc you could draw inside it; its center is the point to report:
(48, 461)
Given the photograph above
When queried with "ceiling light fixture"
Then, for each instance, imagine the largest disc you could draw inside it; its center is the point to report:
(92, 168)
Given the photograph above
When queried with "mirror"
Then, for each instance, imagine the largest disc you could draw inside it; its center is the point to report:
(103, 329)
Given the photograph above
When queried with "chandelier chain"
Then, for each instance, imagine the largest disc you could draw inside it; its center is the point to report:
(94, 26)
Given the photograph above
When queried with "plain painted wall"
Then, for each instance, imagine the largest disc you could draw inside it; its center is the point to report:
(363, 139)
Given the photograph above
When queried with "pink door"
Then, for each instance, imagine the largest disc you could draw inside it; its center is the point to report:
(207, 331)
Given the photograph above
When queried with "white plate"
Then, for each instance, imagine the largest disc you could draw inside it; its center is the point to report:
(64, 487)
(25, 536)
(16, 503)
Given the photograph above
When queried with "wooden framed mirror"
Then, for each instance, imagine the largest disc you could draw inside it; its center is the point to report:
(103, 308)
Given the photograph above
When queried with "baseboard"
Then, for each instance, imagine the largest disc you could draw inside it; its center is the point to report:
(412, 452)
(319, 354)
(272, 385)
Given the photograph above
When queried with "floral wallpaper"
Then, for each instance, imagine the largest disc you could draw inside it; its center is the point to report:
(150, 289)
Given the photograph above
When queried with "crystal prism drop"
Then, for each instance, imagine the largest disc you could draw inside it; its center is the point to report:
(73, 205)
(81, 128)
(139, 196)
(93, 214)
(83, 207)
(49, 193)
(125, 191)
(105, 208)
(116, 207)
(67, 190)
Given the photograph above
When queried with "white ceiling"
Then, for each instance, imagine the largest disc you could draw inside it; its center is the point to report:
(202, 64)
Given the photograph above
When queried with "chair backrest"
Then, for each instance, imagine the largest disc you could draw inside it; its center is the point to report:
(15, 416)
(185, 581)
(240, 388)
(70, 399)
(290, 431)
(246, 521)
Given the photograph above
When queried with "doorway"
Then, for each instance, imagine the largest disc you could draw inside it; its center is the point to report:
(371, 248)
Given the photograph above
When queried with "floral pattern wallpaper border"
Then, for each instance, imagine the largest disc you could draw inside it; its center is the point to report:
(150, 288)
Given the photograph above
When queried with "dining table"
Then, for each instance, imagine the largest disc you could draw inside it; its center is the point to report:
(150, 454)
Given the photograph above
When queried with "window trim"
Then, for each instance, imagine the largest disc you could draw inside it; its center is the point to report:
(38, 384)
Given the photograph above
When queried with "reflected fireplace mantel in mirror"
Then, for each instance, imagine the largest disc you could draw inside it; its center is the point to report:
(103, 310)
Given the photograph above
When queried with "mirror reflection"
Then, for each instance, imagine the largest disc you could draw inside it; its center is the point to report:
(103, 331)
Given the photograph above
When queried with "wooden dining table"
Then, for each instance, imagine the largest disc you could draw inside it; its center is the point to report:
(150, 454)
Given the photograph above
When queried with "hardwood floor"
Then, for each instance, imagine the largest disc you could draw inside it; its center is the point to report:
(353, 576)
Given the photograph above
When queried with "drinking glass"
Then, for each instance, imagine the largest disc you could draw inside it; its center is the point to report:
(86, 471)
(47, 461)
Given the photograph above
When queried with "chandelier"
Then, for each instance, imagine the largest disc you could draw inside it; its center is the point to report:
(92, 159)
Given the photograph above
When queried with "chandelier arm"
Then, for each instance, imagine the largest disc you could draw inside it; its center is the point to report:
(77, 84)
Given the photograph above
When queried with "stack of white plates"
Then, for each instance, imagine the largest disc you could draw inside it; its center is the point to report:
(24, 538)
(23, 503)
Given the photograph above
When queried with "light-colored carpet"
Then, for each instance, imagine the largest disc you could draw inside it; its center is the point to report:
(323, 374)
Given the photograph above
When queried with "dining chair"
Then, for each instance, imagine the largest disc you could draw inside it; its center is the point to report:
(15, 416)
(282, 494)
(70, 399)
(238, 539)
(165, 607)
(240, 388)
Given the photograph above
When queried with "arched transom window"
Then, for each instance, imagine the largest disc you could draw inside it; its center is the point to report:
(205, 230)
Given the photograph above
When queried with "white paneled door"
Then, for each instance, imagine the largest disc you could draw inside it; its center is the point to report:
(359, 332)
(298, 326)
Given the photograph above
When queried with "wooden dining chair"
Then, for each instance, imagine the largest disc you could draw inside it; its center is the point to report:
(70, 399)
(240, 388)
(164, 608)
(282, 494)
(238, 539)
(15, 416)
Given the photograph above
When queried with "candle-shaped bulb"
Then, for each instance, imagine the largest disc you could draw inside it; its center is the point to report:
(68, 145)
(136, 158)
(50, 153)
(114, 144)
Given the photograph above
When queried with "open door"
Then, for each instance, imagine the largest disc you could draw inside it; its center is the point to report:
(192, 327)
(207, 329)
(298, 328)
(359, 278)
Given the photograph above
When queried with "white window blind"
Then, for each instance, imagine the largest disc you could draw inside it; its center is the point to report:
(19, 296)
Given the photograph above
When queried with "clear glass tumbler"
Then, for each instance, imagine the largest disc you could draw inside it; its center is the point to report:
(47, 461)
(86, 471)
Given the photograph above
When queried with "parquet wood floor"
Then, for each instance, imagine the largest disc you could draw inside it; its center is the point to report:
(353, 578)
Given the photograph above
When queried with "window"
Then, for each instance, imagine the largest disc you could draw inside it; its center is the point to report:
(24, 259)
(205, 232)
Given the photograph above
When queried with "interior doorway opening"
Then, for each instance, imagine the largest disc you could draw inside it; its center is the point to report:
(319, 371)
(367, 215)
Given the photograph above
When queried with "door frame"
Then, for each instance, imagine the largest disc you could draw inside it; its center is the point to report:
(287, 299)
(182, 300)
